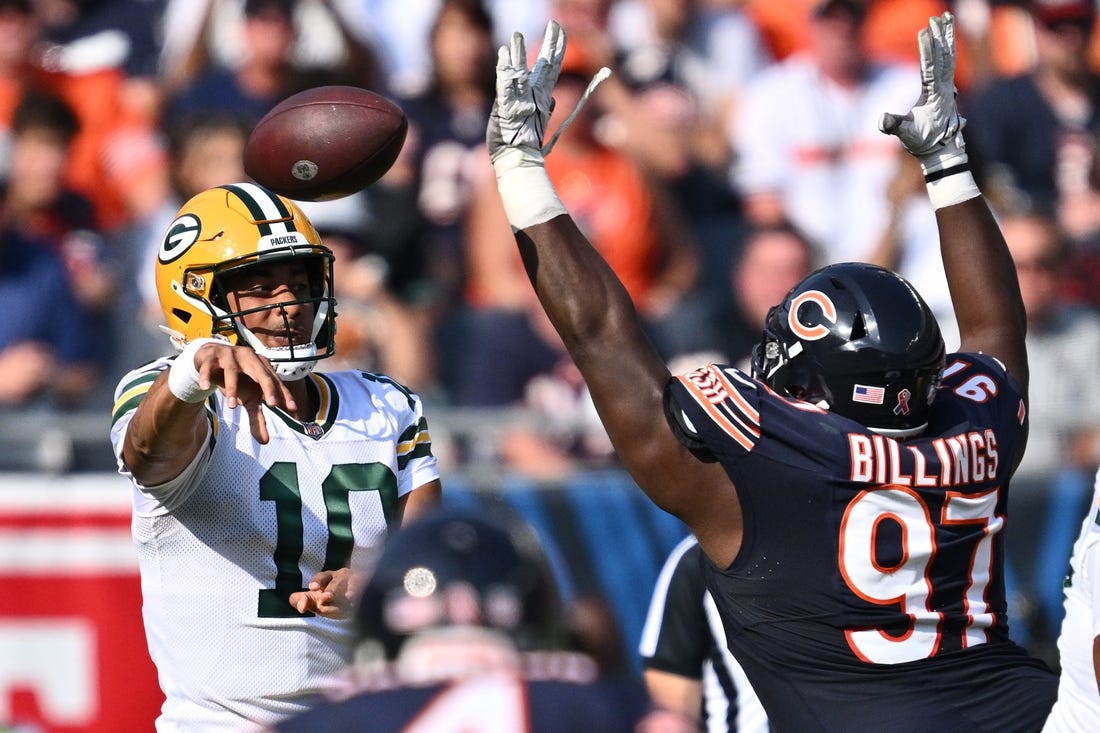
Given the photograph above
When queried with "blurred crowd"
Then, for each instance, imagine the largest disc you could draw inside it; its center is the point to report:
(734, 149)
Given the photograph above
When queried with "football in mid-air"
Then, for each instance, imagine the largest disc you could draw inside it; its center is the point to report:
(325, 143)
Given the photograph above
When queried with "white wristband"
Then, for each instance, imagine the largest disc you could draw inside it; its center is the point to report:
(528, 196)
(952, 189)
(183, 377)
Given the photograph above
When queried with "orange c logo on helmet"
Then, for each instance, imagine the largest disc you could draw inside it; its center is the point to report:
(811, 333)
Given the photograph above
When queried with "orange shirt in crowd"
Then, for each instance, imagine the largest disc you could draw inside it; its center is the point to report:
(610, 201)
(98, 99)
(889, 30)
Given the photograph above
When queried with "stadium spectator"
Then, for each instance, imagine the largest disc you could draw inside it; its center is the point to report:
(256, 482)
(47, 350)
(18, 34)
(887, 32)
(1051, 485)
(39, 205)
(100, 56)
(445, 150)
(768, 262)
(659, 115)
(331, 42)
(685, 661)
(829, 179)
(445, 140)
(262, 77)
(1078, 705)
(662, 138)
(1035, 133)
(401, 30)
(841, 541)
(461, 627)
(710, 52)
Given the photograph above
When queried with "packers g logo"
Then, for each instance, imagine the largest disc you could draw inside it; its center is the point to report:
(811, 333)
(183, 233)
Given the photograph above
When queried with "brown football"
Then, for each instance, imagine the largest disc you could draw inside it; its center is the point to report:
(326, 142)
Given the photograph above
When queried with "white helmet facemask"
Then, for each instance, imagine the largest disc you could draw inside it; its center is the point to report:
(290, 363)
(293, 362)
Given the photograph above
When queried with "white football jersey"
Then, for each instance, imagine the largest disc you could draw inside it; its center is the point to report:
(1078, 704)
(221, 547)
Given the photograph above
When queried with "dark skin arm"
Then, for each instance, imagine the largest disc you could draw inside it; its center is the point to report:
(596, 319)
(984, 288)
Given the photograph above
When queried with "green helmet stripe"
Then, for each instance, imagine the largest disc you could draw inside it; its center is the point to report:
(265, 207)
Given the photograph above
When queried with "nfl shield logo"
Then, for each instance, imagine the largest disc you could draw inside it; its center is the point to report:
(313, 430)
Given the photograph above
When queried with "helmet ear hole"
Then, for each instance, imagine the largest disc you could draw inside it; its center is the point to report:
(182, 315)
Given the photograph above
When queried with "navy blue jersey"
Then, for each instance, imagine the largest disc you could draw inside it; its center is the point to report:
(868, 593)
(548, 693)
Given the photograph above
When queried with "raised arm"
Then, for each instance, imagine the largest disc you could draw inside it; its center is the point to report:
(979, 268)
(592, 311)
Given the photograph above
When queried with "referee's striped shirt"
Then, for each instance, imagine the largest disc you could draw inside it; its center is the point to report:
(683, 635)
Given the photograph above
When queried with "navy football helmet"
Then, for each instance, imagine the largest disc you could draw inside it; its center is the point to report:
(455, 568)
(858, 340)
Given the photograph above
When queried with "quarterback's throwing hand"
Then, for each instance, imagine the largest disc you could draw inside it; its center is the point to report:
(931, 131)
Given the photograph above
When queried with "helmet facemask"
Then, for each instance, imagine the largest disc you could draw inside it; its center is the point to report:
(298, 359)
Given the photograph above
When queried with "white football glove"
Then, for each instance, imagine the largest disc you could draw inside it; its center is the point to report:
(932, 130)
(524, 99)
(517, 126)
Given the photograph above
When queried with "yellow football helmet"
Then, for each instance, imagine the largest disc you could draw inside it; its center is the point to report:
(222, 230)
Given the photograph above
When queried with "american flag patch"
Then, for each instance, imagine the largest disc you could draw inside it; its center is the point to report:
(870, 395)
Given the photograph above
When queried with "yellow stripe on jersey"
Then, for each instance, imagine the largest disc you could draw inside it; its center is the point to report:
(421, 437)
(132, 395)
(324, 393)
(415, 442)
